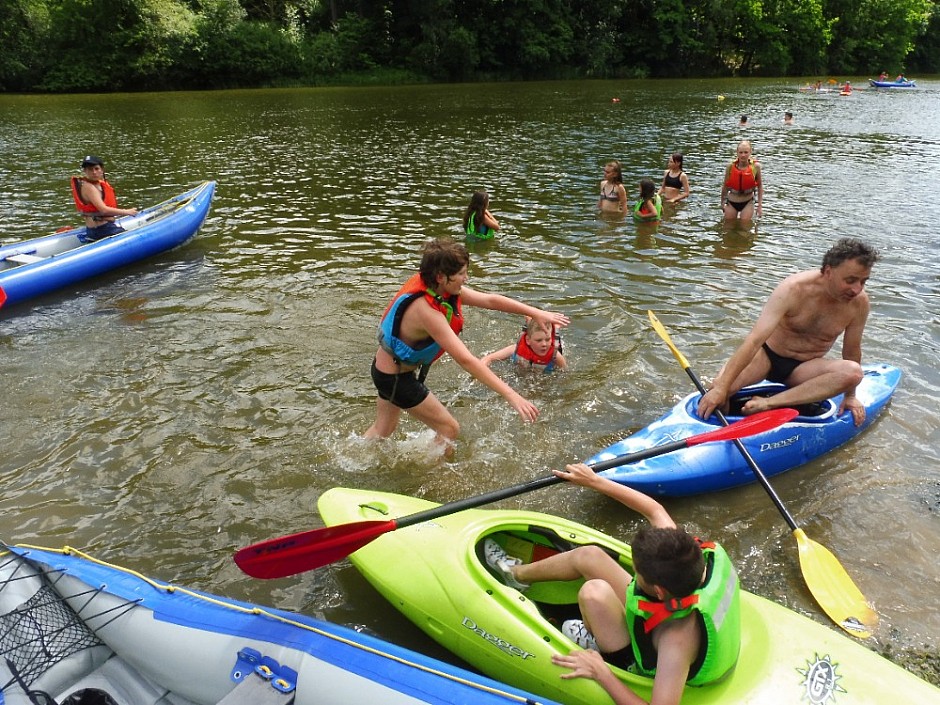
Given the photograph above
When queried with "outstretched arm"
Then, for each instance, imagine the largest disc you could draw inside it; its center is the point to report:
(583, 475)
(498, 302)
(501, 354)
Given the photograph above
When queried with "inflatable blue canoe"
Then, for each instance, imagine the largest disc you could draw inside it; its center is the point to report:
(77, 630)
(892, 84)
(30, 268)
(719, 466)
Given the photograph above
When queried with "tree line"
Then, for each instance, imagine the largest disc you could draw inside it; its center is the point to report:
(126, 45)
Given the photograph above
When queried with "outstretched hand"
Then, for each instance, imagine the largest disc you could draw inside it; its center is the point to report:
(583, 664)
(524, 407)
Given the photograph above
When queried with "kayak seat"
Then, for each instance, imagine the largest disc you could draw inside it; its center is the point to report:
(23, 258)
(810, 410)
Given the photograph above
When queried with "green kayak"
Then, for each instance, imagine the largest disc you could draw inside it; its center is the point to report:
(434, 573)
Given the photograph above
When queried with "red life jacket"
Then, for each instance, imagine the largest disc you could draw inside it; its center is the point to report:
(524, 352)
(742, 180)
(107, 195)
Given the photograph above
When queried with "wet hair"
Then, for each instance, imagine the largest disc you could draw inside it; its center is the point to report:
(647, 189)
(788, 114)
(677, 158)
(850, 249)
(744, 118)
(617, 178)
(670, 558)
(442, 256)
(478, 203)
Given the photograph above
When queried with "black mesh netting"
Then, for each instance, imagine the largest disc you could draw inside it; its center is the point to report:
(40, 633)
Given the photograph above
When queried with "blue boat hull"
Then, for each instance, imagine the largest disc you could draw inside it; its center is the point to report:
(710, 467)
(151, 643)
(31, 268)
(892, 84)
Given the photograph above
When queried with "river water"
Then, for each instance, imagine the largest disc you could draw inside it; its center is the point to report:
(169, 413)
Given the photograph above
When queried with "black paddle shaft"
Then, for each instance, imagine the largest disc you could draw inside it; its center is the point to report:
(747, 457)
(507, 492)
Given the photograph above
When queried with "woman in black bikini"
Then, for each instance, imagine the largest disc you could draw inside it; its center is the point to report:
(675, 186)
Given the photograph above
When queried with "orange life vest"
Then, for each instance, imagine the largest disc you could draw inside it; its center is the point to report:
(107, 195)
(742, 180)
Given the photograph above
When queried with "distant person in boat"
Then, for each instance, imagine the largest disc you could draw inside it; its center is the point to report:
(847, 88)
(677, 620)
(536, 348)
(788, 118)
(799, 324)
(95, 200)
(613, 197)
(422, 322)
(478, 222)
(883, 76)
(742, 180)
(649, 207)
(675, 185)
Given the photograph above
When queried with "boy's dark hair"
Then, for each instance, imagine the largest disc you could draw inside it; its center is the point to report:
(442, 256)
(670, 558)
(849, 248)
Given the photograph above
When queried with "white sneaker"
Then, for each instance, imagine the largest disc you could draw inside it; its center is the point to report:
(575, 630)
(502, 563)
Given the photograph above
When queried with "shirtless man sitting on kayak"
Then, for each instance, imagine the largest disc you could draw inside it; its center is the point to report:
(799, 324)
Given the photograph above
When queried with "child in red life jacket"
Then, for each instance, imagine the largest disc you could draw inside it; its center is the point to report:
(536, 348)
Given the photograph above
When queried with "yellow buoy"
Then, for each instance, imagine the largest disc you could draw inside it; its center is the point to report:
(721, 97)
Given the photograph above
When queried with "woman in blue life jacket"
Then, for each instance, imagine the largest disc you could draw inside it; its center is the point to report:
(478, 222)
(677, 620)
(421, 323)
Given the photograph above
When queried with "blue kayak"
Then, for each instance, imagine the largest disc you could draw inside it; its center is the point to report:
(30, 268)
(891, 84)
(71, 624)
(719, 466)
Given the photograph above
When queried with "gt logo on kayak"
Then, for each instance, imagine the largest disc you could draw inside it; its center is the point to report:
(497, 641)
(821, 681)
(776, 445)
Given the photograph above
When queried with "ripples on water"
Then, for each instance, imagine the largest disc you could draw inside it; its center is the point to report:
(171, 412)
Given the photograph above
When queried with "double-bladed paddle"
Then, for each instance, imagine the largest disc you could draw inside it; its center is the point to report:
(825, 577)
(296, 553)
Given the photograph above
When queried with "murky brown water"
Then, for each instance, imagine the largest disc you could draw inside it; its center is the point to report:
(165, 415)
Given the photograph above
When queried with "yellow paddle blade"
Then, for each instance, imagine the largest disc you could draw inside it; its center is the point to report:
(833, 588)
(658, 327)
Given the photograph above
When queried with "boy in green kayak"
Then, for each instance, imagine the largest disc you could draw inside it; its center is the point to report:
(677, 620)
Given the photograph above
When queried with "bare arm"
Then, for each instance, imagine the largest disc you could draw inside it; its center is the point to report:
(501, 354)
(760, 190)
(489, 221)
(498, 302)
(686, 189)
(653, 511)
(437, 327)
(770, 317)
(92, 196)
(622, 198)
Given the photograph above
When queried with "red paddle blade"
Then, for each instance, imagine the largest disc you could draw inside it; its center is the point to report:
(748, 426)
(308, 550)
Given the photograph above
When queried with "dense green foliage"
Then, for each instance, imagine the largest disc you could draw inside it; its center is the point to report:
(108, 45)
